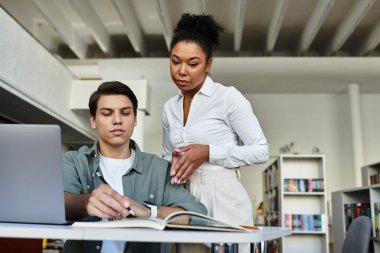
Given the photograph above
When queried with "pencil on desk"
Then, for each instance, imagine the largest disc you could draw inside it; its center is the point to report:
(251, 227)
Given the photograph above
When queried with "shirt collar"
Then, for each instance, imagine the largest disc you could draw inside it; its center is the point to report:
(137, 164)
(206, 89)
(94, 150)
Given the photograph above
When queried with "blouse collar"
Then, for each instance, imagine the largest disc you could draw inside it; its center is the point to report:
(206, 89)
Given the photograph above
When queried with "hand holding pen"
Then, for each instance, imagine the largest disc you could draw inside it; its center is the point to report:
(107, 203)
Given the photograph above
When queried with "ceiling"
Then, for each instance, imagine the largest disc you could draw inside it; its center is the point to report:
(268, 46)
(95, 29)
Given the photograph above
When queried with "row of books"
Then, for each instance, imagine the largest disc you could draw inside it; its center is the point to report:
(52, 245)
(376, 207)
(306, 222)
(271, 177)
(375, 178)
(274, 246)
(304, 185)
(351, 211)
(271, 201)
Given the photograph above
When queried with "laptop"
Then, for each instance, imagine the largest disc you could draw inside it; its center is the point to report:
(31, 176)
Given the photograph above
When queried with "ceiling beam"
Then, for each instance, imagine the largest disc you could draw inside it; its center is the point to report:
(163, 13)
(371, 41)
(275, 24)
(132, 28)
(92, 21)
(239, 25)
(348, 24)
(63, 27)
(313, 25)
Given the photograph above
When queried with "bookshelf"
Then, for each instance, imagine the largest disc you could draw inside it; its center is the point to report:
(361, 201)
(371, 174)
(294, 196)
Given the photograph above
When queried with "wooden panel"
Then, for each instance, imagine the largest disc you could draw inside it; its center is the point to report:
(20, 245)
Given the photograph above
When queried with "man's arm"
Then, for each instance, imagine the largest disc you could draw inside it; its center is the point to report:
(75, 205)
(163, 211)
(177, 196)
(102, 202)
(142, 211)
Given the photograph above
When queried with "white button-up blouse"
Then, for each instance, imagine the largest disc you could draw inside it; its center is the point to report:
(219, 116)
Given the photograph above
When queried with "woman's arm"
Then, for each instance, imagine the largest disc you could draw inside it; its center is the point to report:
(240, 116)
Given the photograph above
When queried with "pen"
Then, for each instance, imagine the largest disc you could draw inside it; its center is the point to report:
(251, 227)
(105, 182)
(101, 177)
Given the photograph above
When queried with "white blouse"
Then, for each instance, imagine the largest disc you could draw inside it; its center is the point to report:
(219, 116)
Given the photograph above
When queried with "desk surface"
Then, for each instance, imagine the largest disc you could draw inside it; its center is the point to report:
(138, 234)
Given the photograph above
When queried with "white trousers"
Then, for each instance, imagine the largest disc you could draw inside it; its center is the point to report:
(222, 192)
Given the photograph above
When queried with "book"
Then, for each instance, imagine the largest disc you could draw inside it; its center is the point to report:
(197, 222)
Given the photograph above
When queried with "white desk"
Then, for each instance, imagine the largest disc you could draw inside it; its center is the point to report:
(139, 235)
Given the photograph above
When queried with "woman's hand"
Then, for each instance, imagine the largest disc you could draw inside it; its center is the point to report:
(186, 160)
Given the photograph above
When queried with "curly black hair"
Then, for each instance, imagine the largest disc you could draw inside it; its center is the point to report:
(201, 29)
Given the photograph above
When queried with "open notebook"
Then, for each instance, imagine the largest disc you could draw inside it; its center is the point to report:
(172, 221)
(31, 177)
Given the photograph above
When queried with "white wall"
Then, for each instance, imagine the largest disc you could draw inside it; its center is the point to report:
(316, 120)
(320, 120)
(370, 105)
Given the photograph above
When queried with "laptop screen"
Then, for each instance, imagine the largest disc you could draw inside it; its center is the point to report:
(31, 177)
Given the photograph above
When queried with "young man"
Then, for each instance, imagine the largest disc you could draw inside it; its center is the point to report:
(114, 179)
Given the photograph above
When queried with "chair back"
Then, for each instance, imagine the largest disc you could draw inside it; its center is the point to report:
(358, 236)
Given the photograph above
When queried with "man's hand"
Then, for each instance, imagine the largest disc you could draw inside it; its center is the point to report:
(136, 209)
(105, 202)
(81, 205)
(186, 160)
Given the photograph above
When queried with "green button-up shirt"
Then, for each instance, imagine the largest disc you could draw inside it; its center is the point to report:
(147, 180)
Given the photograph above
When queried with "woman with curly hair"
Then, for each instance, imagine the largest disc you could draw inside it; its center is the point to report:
(210, 129)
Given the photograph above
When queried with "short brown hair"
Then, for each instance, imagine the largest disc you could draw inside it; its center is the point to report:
(111, 88)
